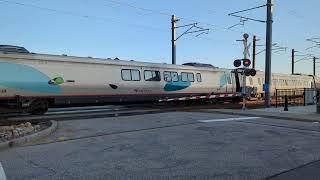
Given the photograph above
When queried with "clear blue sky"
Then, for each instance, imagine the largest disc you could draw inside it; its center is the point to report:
(104, 28)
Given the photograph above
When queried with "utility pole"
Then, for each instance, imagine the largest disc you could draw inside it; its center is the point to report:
(173, 38)
(193, 28)
(314, 66)
(254, 52)
(292, 61)
(268, 76)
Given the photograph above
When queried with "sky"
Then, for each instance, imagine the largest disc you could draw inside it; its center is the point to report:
(141, 29)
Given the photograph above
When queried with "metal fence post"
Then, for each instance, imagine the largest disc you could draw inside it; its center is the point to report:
(304, 96)
(318, 101)
(294, 97)
(276, 98)
(286, 103)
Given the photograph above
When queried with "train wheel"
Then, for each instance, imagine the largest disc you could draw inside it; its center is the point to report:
(39, 107)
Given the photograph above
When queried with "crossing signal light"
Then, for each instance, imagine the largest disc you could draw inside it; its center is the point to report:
(237, 63)
(246, 62)
(253, 72)
(250, 72)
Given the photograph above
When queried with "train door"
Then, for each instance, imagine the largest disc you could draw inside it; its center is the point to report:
(236, 80)
(229, 87)
(313, 82)
(233, 81)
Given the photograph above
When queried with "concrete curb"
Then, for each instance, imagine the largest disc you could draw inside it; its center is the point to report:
(250, 113)
(30, 138)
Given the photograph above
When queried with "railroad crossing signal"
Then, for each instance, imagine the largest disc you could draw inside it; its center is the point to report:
(246, 63)
(250, 72)
(237, 63)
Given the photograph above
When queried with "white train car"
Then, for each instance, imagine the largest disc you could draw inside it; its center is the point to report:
(35, 81)
(281, 81)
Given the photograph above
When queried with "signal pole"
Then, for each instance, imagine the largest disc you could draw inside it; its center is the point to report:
(314, 66)
(292, 61)
(193, 28)
(268, 78)
(244, 81)
(254, 52)
(173, 39)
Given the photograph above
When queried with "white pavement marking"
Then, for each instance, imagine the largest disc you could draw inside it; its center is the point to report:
(2, 174)
(228, 119)
(80, 111)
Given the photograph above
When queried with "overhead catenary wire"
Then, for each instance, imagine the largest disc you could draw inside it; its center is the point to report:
(85, 16)
(167, 14)
(114, 20)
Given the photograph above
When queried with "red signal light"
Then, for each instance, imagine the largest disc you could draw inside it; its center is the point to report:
(246, 62)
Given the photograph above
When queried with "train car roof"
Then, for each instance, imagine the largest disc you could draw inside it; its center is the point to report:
(116, 61)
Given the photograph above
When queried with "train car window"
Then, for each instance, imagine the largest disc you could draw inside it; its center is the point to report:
(152, 75)
(167, 76)
(184, 76)
(126, 74)
(148, 75)
(157, 75)
(199, 79)
(130, 75)
(135, 75)
(174, 76)
(191, 77)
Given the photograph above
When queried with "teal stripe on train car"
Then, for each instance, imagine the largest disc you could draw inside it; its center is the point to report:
(176, 86)
(23, 77)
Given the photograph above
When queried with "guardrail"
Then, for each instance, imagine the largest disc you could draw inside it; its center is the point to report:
(296, 97)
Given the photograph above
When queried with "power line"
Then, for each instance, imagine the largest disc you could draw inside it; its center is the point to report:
(250, 9)
(139, 8)
(85, 16)
(167, 14)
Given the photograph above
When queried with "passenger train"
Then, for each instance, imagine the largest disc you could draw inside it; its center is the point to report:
(32, 82)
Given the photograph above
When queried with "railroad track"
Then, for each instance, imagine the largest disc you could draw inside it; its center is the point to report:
(77, 113)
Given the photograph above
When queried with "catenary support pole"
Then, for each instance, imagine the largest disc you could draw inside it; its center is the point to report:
(314, 66)
(268, 76)
(173, 38)
(254, 52)
(292, 61)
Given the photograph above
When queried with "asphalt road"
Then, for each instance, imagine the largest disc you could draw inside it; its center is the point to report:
(175, 145)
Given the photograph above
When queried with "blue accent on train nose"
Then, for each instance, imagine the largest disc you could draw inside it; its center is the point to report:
(22, 77)
(176, 86)
(223, 80)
